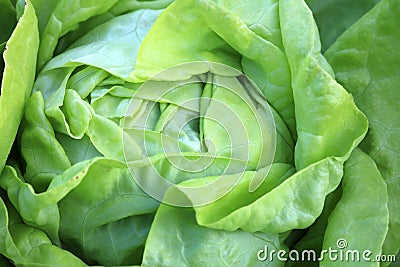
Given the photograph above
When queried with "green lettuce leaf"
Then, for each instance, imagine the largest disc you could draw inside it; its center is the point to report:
(365, 59)
(333, 17)
(313, 237)
(18, 78)
(8, 19)
(63, 143)
(74, 196)
(257, 57)
(316, 93)
(361, 216)
(59, 17)
(28, 246)
(177, 240)
(257, 113)
(309, 72)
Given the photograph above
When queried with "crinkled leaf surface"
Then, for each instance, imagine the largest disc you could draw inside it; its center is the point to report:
(75, 192)
(308, 68)
(366, 61)
(28, 246)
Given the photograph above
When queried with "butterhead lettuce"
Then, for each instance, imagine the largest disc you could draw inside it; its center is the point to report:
(198, 132)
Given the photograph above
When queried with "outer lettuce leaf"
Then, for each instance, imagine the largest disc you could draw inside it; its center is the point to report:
(28, 246)
(365, 59)
(106, 221)
(80, 211)
(39, 209)
(18, 78)
(314, 236)
(295, 203)
(8, 19)
(177, 240)
(7, 22)
(77, 193)
(111, 46)
(361, 216)
(316, 93)
(333, 17)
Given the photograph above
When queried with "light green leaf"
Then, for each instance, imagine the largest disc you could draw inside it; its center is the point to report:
(177, 240)
(27, 246)
(82, 210)
(39, 210)
(361, 216)
(41, 150)
(318, 97)
(295, 203)
(245, 50)
(120, 8)
(18, 78)
(314, 235)
(111, 46)
(106, 136)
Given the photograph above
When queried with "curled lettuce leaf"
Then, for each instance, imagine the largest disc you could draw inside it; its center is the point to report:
(62, 141)
(201, 246)
(28, 246)
(108, 113)
(18, 78)
(313, 86)
(362, 182)
(365, 59)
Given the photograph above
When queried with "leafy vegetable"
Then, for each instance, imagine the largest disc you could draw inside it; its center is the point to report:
(7, 22)
(374, 216)
(336, 16)
(202, 246)
(8, 19)
(18, 78)
(368, 68)
(198, 132)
